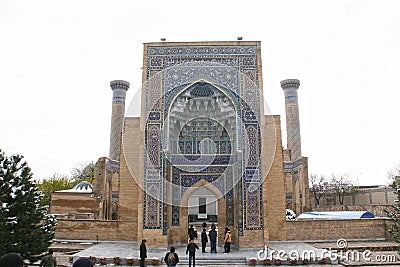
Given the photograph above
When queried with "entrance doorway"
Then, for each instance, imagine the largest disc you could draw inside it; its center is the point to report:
(202, 210)
(202, 206)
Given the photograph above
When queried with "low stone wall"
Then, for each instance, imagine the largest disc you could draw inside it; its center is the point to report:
(376, 228)
(334, 229)
(95, 230)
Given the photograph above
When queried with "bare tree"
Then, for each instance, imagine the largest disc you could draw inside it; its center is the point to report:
(83, 172)
(341, 185)
(392, 174)
(319, 186)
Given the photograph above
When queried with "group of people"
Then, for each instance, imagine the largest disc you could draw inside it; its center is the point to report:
(212, 235)
(172, 258)
(204, 238)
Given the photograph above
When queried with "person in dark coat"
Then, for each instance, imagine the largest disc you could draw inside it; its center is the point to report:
(213, 240)
(213, 226)
(191, 248)
(11, 260)
(48, 260)
(143, 252)
(204, 240)
(175, 257)
(191, 233)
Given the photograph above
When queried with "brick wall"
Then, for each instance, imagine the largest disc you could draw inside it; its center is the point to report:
(93, 229)
(65, 203)
(335, 229)
(373, 196)
(274, 195)
(131, 173)
(295, 230)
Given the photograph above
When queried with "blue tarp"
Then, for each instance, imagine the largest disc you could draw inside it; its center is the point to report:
(335, 215)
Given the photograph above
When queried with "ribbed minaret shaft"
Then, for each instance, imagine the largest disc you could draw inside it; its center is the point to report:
(290, 87)
(119, 88)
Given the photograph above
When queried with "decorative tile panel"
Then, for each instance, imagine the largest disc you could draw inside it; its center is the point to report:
(230, 70)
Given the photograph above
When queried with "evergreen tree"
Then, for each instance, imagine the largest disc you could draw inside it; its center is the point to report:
(25, 226)
(394, 214)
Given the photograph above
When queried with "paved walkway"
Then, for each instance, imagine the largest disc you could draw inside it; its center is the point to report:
(125, 250)
(236, 258)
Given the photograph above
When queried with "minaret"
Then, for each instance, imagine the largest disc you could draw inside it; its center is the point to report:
(290, 87)
(119, 88)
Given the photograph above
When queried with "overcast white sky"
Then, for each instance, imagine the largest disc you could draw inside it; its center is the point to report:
(58, 57)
